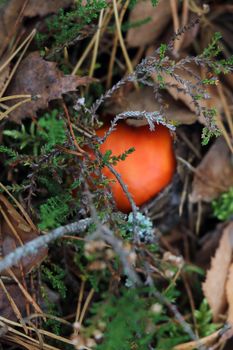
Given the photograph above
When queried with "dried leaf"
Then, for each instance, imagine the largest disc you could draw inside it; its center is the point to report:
(36, 76)
(214, 175)
(44, 8)
(144, 100)
(214, 287)
(147, 33)
(15, 231)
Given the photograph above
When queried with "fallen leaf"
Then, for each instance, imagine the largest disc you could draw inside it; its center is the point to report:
(229, 291)
(43, 8)
(214, 287)
(16, 231)
(147, 33)
(144, 100)
(37, 76)
(214, 174)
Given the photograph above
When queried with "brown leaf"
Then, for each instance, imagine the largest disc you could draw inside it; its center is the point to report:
(44, 8)
(214, 175)
(36, 76)
(229, 291)
(144, 100)
(14, 232)
(214, 287)
(147, 33)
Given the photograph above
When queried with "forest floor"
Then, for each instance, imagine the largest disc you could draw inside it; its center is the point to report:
(116, 182)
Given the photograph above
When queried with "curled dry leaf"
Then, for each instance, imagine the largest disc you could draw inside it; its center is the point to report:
(147, 33)
(214, 287)
(144, 100)
(214, 175)
(37, 76)
(15, 231)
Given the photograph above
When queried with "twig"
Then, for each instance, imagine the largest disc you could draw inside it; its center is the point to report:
(106, 234)
(33, 246)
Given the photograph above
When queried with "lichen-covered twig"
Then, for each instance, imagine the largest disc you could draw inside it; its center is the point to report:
(33, 246)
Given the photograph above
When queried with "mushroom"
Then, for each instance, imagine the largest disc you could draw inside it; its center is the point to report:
(147, 170)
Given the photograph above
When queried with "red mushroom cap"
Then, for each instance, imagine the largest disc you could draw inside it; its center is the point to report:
(147, 170)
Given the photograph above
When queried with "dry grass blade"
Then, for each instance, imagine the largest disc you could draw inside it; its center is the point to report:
(95, 51)
(114, 49)
(25, 292)
(14, 306)
(23, 339)
(106, 19)
(20, 207)
(10, 58)
(15, 231)
(206, 341)
(120, 37)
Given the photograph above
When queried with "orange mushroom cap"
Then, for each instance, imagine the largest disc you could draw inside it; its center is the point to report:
(147, 170)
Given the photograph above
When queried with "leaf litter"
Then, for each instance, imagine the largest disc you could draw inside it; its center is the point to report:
(37, 77)
(212, 175)
(15, 231)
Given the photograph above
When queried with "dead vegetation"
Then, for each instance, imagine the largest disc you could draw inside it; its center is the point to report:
(75, 271)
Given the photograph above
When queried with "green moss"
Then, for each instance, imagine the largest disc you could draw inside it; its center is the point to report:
(223, 206)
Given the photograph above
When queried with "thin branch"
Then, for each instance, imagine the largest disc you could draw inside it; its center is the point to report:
(33, 246)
